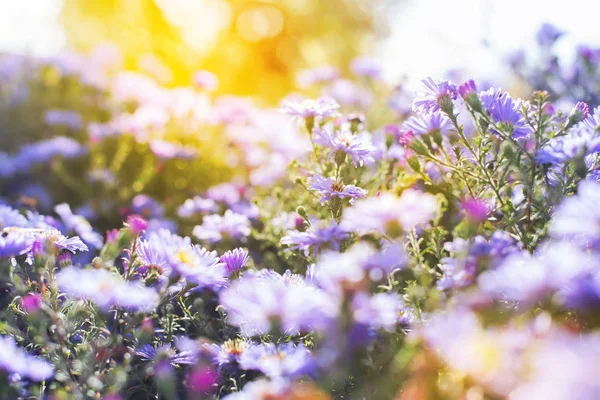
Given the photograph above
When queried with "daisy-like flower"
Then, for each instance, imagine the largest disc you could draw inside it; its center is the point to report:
(106, 289)
(428, 124)
(229, 352)
(388, 213)
(154, 354)
(330, 189)
(79, 225)
(322, 108)
(198, 265)
(285, 360)
(579, 142)
(14, 244)
(505, 113)
(15, 360)
(578, 217)
(437, 95)
(168, 150)
(358, 146)
(197, 205)
(234, 260)
(215, 227)
(315, 236)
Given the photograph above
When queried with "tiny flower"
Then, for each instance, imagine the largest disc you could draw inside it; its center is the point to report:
(197, 205)
(285, 360)
(579, 112)
(330, 189)
(136, 224)
(322, 108)
(31, 302)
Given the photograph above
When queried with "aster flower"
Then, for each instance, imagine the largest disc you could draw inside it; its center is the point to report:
(438, 95)
(322, 74)
(167, 150)
(388, 212)
(106, 289)
(14, 360)
(70, 119)
(579, 112)
(358, 146)
(262, 389)
(155, 354)
(548, 34)
(256, 304)
(283, 361)
(322, 108)
(315, 236)
(381, 311)
(366, 66)
(11, 218)
(229, 352)
(196, 205)
(215, 227)
(79, 225)
(330, 189)
(147, 206)
(579, 142)
(578, 217)
(428, 124)
(228, 193)
(43, 151)
(234, 260)
(14, 243)
(505, 113)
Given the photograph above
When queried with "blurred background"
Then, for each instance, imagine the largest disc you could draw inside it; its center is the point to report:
(257, 46)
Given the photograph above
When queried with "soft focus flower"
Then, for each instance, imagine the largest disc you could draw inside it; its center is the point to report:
(230, 225)
(428, 124)
(366, 66)
(15, 243)
(548, 34)
(437, 95)
(14, 360)
(322, 108)
(330, 189)
(387, 212)
(578, 217)
(234, 260)
(197, 205)
(136, 224)
(315, 236)
(286, 360)
(206, 80)
(106, 289)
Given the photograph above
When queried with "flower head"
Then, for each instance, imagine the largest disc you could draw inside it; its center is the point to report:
(15, 360)
(358, 146)
(330, 189)
(234, 260)
(315, 236)
(283, 361)
(322, 108)
(215, 227)
(428, 124)
(438, 95)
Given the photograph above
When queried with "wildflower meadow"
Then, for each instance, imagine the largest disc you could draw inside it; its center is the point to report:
(358, 240)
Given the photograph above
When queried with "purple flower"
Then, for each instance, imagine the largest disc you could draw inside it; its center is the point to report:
(258, 303)
(475, 210)
(381, 311)
(79, 225)
(147, 207)
(43, 151)
(437, 95)
(106, 289)
(578, 217)
(215, 227)
(234, 260)
(467, 89)
(11, 218)
(579, 142)
(388, 213)
(227, 193)
(157, 354)
(579, 112)
(505, 113)
(323, 108)
(366, 66)
(330, 189)
(278, 361)
(168, 150)
(229, 352)
(197, 205)
(358, 146)
(14, 244)
(428, 124)
(315, 236)
(70, 119)
(322, 74)
(548, 34)
(15, 360)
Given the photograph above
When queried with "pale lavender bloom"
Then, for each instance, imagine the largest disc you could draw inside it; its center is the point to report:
(234, 260)
(15, 360)
(14, 244)
(315, 236)
(323, 108)
(593, 120)
(215, 227)
(168, 150)
(7, 165)
(106, 289)
(388, 212)
(322, 74)
(11, 218)
(196, 205)
(358, 146)
(435, 93)
(525, 278)
(71, 119)
(578, 217)
(43, 151)
(349, 94)
(579, 142)
(79, 225)
(261, 389)
(366, 66)
(285, 360)
(206, 80)
(228, 193)
(380, 311)
(147, 207)
(229, 352)
(72, 244)
(330, 189)
(548, 34)
(428, 124)
(254, 303)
